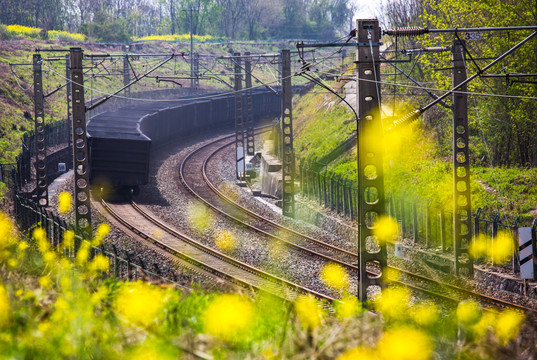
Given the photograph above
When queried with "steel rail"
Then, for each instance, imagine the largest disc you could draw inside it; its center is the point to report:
(258, 230)
(446, 286)
(274, 280)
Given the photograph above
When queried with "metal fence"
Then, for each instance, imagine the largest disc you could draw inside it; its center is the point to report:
(418, 220)
(123, 264)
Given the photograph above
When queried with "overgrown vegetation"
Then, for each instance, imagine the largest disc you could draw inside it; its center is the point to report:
(57, 307)
(233, 19)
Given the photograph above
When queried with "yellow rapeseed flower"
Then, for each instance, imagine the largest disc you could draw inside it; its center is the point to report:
(335, 276)
(5, 308)
(40, 236)
(45, 282)
(7, 231)
(359, 353)
(405, 343)
(308, 311)
(478, 247)
(140, 303)
(393, 302)
(99, 263)
(426, 314)
(68, 239)
(502, 247)
(508, 325)
(23, 245)
(225, 241)
(12, 263)
(153, 349)
(469, 312)
(485, 325)
(229, 317)
(386, 229)
(102, 231)
(349, 306)
(65, 202)
(199, 217)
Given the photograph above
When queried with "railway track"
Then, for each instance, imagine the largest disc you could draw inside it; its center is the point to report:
(216, 199)
(141, 222)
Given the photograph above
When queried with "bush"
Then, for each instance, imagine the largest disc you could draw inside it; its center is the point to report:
(4, 33)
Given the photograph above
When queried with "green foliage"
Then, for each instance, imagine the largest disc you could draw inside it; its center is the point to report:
(5, 34)
(323, 123)
(107, 29)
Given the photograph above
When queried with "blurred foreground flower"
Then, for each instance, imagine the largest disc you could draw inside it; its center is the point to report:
(225, 241)
(348, 307)
(359, 353)
(65, 203)
(140, 303)
(469, 312)
(335, 276)
(229, 317)
(393, 302)
(386, 229)
(5, 309)
(508, 325)
(199, 217)
(405, 344)
(7, 231)
(308, 311)
(502, 247)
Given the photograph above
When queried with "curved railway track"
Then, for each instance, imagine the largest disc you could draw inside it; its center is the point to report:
(196, 163)
(203, 257)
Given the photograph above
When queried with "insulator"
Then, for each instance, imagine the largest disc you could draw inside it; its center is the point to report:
(407, 31)
(405, 120)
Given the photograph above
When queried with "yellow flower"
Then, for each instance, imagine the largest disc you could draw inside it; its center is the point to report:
(45, 282)
(478, 247)
(229, 317)
(153, 349)
(199, 217)
(469, 312)
(102, 231)
(359, 353)
(12, 263)
(140, 303)
(68, 239)
(405, 343)
(100, 263)
(5, 308)
(386, 229)
(225, 240)
(7, 231)
(486, 324)
(335, 276)
(65, 202)
(308, 311)
(40, 236)
(426, 314)
(23, 245)
(508, 325)
(502, 247)
(349, 306)
(393, 303)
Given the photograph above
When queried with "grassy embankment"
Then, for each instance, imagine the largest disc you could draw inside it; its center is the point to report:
(52, 307)
(412, 166)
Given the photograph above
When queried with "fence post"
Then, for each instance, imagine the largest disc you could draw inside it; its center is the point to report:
(516, 258)
(476, 225)
(495, 222)
(534, 247)
(443, 230)
(402, 216)
(415, 221)
(428, 225)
